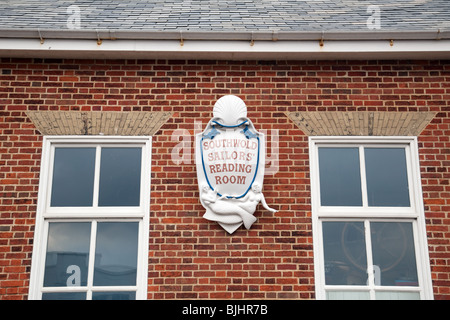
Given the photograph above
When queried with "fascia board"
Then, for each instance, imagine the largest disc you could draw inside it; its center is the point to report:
(230, 50)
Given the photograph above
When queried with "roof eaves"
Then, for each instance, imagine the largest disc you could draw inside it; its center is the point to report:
(338, 35)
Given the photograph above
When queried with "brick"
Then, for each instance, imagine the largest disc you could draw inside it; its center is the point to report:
(190, 257)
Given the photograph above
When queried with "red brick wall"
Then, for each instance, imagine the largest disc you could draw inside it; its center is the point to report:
(190, 257)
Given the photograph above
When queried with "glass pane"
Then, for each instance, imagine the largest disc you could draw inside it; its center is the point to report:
(64, 296)
(116, 254)
(344, 253)
(114, 295)
(387, 179)
(120, 177)
(73, 177)
(393, 254)
(390, 295)
(66, 262)
(348, 295)
(340, 179)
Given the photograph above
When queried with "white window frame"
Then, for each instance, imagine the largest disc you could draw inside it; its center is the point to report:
(415, 213)
(46, 214)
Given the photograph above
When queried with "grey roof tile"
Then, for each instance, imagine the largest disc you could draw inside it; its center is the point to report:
(228, 15)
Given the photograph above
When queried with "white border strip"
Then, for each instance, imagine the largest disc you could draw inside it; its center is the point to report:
(230, 50)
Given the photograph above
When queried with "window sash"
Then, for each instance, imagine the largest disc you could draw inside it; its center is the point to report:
(365, 210)
(364, 193)
(358, 166)
(371, 287)
(46, 214)
(414, 213)
(95, 209)
(90, 287)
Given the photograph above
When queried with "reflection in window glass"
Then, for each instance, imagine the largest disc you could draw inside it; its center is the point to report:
(120, 177)
(393, 253)
(387, 180)
(397, 295)
(64, 296)
(73, 177)
(340, 179)
(348, 295)
(116, 254)
(67, 258)
(114, 295)
(344, 253)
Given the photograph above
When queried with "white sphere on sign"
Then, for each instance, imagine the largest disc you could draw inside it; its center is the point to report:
(230, 110)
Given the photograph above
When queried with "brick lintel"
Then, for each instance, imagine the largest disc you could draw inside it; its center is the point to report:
(98, 123)
(359, 123)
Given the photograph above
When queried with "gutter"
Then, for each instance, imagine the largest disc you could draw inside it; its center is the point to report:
(264, 45)
(222, 35)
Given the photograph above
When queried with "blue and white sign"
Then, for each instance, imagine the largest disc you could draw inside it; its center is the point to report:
(230, 157)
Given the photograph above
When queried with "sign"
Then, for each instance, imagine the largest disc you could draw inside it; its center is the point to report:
(230, 156)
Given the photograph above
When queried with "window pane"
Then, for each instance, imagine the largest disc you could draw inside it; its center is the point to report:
(348, 295)
(73, 177)
(340, 179)
(64, 296)
(120, 177)
(114, 296)
(116, 253)
(66, 262)
(393, 254)
(387, 180)
(344, 253)
(392, 295)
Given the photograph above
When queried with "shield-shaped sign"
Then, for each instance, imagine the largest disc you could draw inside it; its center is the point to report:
(230, 157)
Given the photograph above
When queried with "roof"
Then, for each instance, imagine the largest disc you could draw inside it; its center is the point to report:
(226, 15)
(226, 29)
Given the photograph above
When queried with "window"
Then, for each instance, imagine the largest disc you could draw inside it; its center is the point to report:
(368, 220)
(91, 238)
